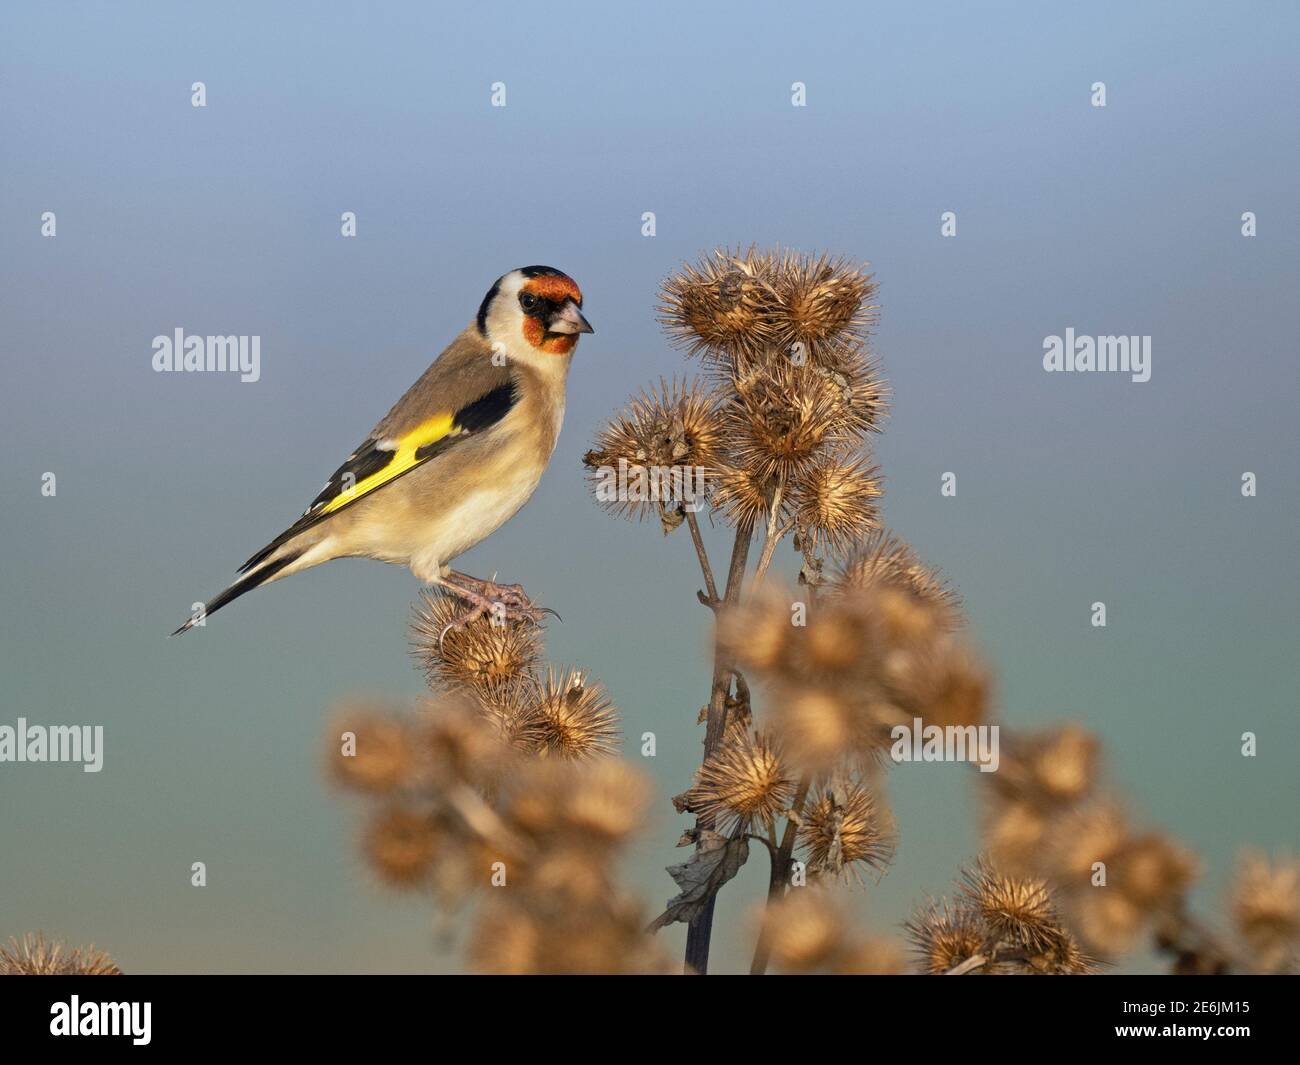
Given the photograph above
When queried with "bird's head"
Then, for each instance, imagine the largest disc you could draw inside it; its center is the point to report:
(533, 312)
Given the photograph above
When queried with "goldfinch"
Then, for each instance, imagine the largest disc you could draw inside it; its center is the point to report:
(453, 460)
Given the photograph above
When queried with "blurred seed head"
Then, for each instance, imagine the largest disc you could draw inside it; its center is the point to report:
(1014, 837)
(463, 744)
(1083, 837)
(1065, 765)
(808, 932)
(1054, 769)
(400, 845)
(872, 957)
(805, 930)
(817, 726)
(600, 802)
(1153, 871)
(386, 748)
(1108, 920)
(941, 681)
(1265, 905)
(883, 560)
(511, 939)
(34, 955)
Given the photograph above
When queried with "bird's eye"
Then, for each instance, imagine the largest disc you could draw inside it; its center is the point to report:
(528, 301)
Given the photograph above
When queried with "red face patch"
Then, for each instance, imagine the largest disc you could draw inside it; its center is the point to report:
(555, 344)
(556, 289)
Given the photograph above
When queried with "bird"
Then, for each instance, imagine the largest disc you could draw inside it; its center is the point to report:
(455, 458)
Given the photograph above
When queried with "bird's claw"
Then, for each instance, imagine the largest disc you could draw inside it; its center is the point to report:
(502, 603)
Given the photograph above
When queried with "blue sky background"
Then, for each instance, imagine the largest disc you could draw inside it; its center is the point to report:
(226, 220)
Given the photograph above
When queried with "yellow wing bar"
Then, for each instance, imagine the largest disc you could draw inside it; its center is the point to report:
(404, 459)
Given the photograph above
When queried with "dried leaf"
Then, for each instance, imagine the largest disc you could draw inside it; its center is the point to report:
(717, 860)
(671, 517)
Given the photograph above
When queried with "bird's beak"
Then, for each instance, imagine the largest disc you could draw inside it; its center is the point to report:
(569, 320)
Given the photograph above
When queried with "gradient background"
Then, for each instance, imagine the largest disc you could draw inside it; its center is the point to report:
(1072, 488)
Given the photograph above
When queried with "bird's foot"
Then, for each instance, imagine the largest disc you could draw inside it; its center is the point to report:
(500, 603)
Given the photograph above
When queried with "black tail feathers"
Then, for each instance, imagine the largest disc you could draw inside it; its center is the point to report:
(244, 584)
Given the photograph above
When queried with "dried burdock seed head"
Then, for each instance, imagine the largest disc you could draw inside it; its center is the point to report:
(819, 299)
(883, 560)
(1015, 909)
(1265, 904)
(663, 447)
(722, 306)
(511, 708)
(479, 655)
(858, 395)
(778, 419)
(574, 717)
(401, 844)
(844, 827)
(1060, 955)
(743, 783)
(34, 955)
(944, 937)
(371, 749)
(743, 498)
(834, 501)
(1153, 871)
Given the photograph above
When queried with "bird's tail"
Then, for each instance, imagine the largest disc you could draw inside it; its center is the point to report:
(245, 583)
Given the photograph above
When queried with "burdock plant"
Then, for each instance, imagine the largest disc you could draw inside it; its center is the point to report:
(776, 433)
(503, 794)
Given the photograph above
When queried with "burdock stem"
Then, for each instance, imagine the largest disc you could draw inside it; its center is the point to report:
(773, 535)
(700, 930)
(781, 857)
(711, 588)
(780, 875)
